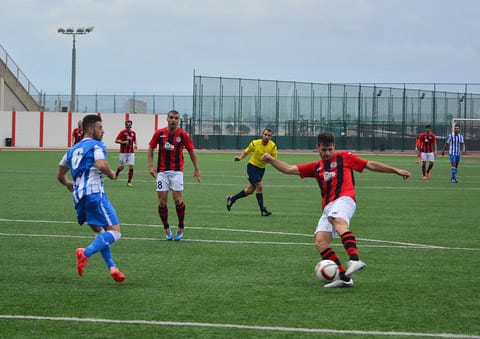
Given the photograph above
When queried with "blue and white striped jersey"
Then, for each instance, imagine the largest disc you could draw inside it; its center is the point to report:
(455, 142)
(80, 159)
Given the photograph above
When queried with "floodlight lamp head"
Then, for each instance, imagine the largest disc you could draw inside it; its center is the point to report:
(80, 30)
(89, 29)
(61, 30)
(70, 30)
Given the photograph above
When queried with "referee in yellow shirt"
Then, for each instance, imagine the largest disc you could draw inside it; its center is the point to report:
(255, 169)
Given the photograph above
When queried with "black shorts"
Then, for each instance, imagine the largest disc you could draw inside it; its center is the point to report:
(255, 174)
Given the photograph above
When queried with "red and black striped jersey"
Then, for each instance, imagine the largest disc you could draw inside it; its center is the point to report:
(170, 148)
(427, 142)
(77, 135)
(335, 176)
(131, 136)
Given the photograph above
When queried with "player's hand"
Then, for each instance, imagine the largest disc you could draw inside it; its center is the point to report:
(196, 174)
(237, 158)
(70, 186)
(152, 172)
(267, 157)
(405, 174)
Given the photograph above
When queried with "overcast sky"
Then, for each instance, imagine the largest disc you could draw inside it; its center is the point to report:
(154, 46)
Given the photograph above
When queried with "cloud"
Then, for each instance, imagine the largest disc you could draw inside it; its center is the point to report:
(154, 46)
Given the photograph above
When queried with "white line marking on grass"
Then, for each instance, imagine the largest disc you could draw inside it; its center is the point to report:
(440, 188)
(241, 327)
(313, 185)
(403, 188)
(241, 242)
(387, 243)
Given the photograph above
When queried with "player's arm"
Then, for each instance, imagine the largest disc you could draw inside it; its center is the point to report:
(118, 139)
(419, 144)
(377, 166)
(74, 136)
(196, 171)
(246, 151)
(104, 167)
(274, 152)
(444, 148)
(62, 177)
(241, 156)
(101, 162)
(282, 166)
(151, 169)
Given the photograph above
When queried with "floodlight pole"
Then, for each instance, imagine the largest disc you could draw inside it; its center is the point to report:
(74, 76)
(73, 33)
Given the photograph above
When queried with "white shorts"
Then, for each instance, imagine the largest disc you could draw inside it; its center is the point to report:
(127, 159)
(428, 156)
(343, 207)
(170, 180)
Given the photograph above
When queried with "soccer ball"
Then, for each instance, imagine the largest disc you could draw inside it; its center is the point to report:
(326, 271)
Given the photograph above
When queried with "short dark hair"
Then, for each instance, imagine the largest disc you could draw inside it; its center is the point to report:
(428, 126)
(326, 138)
(267, 129)
(90, 120)
(173, 112)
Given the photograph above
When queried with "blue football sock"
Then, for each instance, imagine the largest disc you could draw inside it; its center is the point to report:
(454, 173)
(99, 243)
(107, 256)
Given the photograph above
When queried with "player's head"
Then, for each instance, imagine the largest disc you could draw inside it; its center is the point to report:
(456, 129)
(79, 123)
(93, 127)
(428, 128)
(173, 119)
(128, 124)
(266, 135)
(326, 145)
(173, 112)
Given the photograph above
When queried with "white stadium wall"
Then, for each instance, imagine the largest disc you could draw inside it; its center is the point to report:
(52, 130)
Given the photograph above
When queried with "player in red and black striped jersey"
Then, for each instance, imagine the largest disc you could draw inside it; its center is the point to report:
(127, 138)
(77, 133)
(334, 175)
(168, 172)
(428, 147)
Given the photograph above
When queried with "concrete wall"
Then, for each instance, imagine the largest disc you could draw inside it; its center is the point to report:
(52, 130)
(16, 90)
(8, 99)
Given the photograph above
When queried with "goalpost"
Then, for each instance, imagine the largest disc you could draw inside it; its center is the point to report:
(470, 128)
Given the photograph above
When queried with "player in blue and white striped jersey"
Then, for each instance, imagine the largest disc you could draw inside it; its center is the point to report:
(87, 162)
(456, 145)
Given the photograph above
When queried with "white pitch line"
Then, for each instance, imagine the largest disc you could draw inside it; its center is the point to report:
(386, 243)
(239, 242)
(242, 327)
